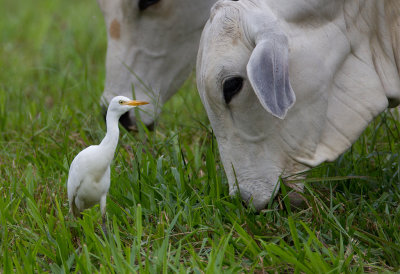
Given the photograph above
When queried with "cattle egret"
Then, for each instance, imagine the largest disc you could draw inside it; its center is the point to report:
(89, 174)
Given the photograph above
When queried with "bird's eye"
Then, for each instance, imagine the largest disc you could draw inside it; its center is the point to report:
(121, 102)
(144, 4)
(231, 87)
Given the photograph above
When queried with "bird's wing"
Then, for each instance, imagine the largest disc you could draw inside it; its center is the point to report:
(74, 180)
(77, 172)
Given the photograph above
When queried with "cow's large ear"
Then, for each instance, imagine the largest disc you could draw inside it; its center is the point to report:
(268, 73)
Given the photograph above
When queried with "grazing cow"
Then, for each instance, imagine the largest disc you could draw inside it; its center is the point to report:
(290, 84)
(152, 46)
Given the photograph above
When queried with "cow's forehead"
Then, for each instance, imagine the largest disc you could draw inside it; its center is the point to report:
(223, 39)
(225, 22)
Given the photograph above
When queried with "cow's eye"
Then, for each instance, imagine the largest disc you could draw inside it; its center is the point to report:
(144, 4)
(231, 87)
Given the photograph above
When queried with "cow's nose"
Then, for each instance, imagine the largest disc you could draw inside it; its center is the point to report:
(127, 122)
(130, 124)
(259, 199)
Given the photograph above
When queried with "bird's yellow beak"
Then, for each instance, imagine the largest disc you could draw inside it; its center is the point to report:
(135, 103)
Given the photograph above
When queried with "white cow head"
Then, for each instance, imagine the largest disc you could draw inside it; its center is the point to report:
(152, 46)
(341, 66)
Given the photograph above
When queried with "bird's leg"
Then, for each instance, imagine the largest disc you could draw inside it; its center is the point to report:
(103, 213)
(103, 226)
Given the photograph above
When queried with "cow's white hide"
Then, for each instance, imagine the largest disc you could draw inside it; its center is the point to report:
(152, 50)
(343, 61)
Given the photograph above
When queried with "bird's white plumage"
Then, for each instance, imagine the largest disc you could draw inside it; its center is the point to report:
(89, 174)
(88, 180)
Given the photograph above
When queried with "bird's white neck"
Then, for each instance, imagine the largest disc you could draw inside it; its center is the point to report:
(110, 141)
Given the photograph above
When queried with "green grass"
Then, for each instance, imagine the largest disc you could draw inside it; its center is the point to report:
(168, 208)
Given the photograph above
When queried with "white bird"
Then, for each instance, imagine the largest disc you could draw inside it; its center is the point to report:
(89, 174)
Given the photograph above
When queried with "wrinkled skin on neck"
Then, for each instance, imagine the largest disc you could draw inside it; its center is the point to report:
(343, 67)
(151, 51)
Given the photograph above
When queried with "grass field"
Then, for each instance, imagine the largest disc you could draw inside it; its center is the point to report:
(168, 208)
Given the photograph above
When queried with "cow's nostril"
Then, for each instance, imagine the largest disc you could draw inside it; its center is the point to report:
(244, 195)
(127, 123)
(258, 199)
